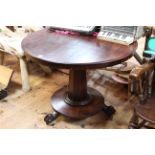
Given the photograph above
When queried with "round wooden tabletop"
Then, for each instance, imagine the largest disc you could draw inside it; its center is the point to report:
(74, 51)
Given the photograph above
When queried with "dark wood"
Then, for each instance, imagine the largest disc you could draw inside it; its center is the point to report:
(141, 79)
(92, 104)
(133, 124)
(138, 58)
(147, 111)
(74, 51)
(144, 110)
(77, 53)
(77, 91)
(12, 28)
(148, 33)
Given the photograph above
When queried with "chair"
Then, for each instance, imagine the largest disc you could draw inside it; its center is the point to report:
(121, 72)
(142, 82)
(10, 42)
(142, 85)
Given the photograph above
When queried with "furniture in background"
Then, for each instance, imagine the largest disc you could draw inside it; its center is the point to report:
(10, 42)
(143, 86)
(5, 77)
(122, 71)
(76, 53)
(142, 79)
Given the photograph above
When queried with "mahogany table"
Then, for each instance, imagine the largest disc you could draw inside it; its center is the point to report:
(76, 53)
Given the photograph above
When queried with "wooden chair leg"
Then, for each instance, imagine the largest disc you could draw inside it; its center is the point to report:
(2, 58)
(24, 75)
(133, 124)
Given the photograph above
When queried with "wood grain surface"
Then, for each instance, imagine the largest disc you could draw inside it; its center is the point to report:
(74, 51)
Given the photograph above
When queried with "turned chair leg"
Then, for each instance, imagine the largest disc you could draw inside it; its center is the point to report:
(24, 75)
(2, 58)
(133, 124)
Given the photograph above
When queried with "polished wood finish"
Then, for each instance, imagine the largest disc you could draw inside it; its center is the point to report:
(144, 111)
(74, 51)
(147, 111)
(140, 80)
(93, 104)
(77, 53)
(77, 91)
(27, 110)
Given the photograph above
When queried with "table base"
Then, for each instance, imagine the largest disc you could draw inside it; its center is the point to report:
(90, 106)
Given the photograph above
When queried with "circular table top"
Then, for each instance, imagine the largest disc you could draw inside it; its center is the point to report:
(74, 51)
